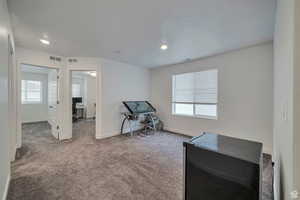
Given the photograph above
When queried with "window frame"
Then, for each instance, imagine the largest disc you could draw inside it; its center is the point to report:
(173, 103)
(26, 101)
(194, 111)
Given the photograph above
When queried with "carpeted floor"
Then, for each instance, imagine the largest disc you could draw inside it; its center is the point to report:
(118, 168)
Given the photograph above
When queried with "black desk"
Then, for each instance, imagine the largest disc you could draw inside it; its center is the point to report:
(219, 167)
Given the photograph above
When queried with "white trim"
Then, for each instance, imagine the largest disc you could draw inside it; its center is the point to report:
(83, 67)
(116, 133)
(13, 154)
(182, 102)
(32, 62)
(33, 122)
(194, 110)
(178, 131)
(276, 179)
(6, 187)
(107, 135)
(276, 195)
(32, 102)
(197, 116)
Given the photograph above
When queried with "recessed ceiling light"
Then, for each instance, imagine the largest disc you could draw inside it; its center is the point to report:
(164, 47)
(45, 36)
(44, 41)
(94, 74)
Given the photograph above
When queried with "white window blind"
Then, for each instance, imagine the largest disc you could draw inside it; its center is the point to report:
(31, 92)
(76, 90)
(196, 94)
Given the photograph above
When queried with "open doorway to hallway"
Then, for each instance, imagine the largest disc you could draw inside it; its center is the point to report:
(39, 104)
(84, 97)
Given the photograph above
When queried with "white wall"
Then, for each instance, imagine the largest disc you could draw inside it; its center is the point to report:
(287, 97)
(283, 98)
(36, 112)
(116, 82)
(245, 95)
(6, 146)
(121, 82)
(297, 98)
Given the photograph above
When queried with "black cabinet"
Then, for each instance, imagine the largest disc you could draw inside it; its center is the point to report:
(217, 167)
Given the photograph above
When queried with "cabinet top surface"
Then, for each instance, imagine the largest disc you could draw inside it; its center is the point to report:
(242, 149)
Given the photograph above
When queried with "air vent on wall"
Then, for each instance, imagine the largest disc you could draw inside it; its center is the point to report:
(58, 59)
(72, 60)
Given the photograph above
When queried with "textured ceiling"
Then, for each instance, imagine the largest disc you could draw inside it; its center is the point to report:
(132, 31)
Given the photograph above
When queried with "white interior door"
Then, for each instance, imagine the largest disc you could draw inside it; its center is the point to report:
(53, 102)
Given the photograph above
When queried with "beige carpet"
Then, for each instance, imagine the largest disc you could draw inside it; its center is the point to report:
(118, 168)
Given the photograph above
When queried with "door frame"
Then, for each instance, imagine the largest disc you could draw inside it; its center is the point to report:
(84, 68)
(12, 103)
(58, 102)
(19, 100)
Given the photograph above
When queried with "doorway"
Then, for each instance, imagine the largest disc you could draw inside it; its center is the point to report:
(39, 104)
(84, 98)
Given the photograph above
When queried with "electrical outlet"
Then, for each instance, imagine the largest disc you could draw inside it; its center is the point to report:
(294, 194)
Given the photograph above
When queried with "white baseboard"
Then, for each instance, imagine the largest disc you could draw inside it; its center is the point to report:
(276, 195)
(6, 188)
(177, 131)
(13, 154)
(106, 135)
(34, 122)
(64, 137)
(276, 177)
(266, 149)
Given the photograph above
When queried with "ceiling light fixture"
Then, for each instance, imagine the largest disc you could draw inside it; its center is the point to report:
(45, 36)
(164, 47)
(94, 74)
(46, 42)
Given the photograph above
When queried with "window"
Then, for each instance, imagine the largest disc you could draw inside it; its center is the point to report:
(76, 90)
(31, 92)
(196, 94)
